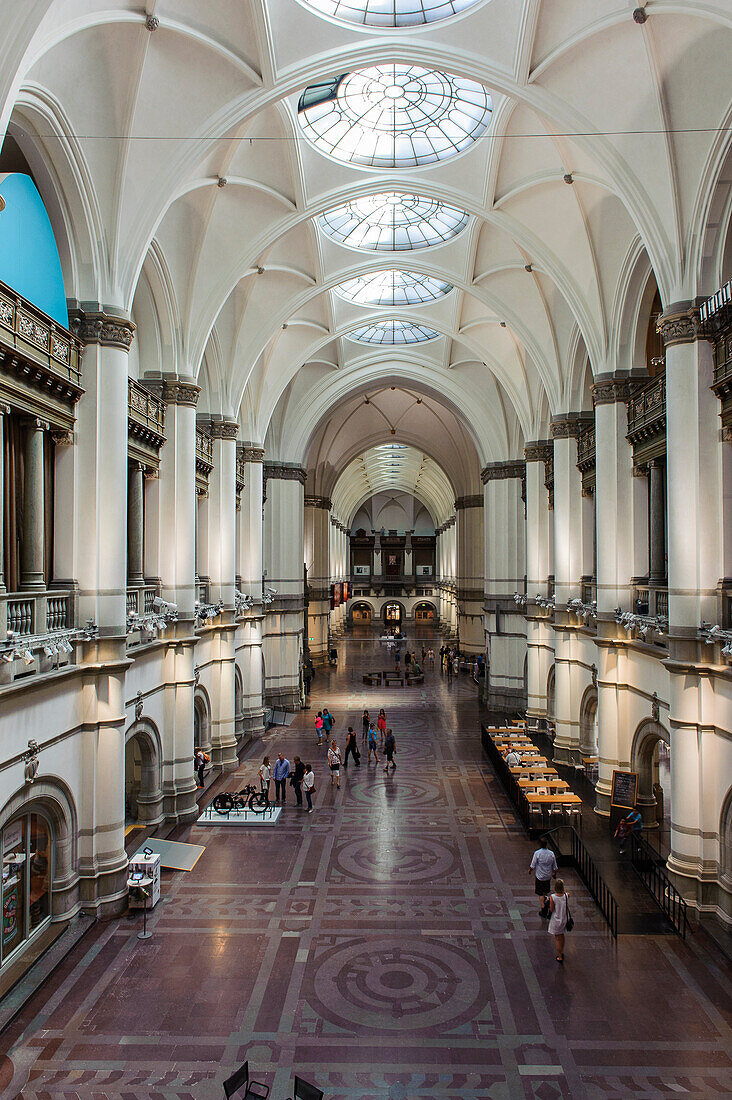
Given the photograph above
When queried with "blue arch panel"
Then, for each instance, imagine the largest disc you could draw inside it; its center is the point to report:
(29, 259)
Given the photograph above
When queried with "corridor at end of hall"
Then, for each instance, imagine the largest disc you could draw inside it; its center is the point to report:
(386, 947)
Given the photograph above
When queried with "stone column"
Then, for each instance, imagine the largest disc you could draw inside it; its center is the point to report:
(694, 566)
(539, 635)
(135, 519)
(616, 522)
(317, 560)
(376, 567)
(657, 542)
(469, 528)
(31, 576)
(284, 557)
(174, 553)
(4, 411)
(504, 557)
(101, 541)
(249, 637)
(569, 556)
(222, 569)
(408, 567)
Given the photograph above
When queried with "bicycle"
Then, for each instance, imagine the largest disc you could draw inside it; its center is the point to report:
(249, 798)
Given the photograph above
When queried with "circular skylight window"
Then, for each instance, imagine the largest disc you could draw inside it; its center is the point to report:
(391, 13)
(393, 288)
(393, 222)
(393, 332)
(394, 116)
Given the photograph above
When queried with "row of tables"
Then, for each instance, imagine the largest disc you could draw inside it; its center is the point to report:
(538, 783)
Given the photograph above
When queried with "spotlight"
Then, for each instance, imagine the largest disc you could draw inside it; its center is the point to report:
(7, 657)
(27, 657)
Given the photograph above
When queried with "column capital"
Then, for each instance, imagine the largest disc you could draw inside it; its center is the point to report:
(250, 453)
(284, 471)
(570, 425)
(35, 423)
(174, 391)
(539, 450)
(680, 324)
(319, 502)
(503, 471)
(103, 328)
(611, 389)
(473, 501)
(62, 438)
(221, 428)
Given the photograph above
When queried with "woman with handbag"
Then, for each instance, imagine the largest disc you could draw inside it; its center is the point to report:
(334, 762)
(560, 919)
(308, 785)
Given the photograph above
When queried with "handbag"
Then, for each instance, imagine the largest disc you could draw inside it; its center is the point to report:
(570, 919)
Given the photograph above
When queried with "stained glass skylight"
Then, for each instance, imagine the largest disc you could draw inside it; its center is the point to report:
(393, 288)
(395, 221)
(394, 116)
(391, 13)
(393, 332)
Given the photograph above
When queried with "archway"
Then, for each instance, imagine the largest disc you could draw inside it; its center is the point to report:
(202, 720)
(361, 613)
(394, 614)
(649, 758)
(425, 612)
(588, 722)
(143, 774)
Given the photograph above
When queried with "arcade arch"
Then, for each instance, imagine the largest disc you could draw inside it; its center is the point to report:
(143, 774)
(651, 742)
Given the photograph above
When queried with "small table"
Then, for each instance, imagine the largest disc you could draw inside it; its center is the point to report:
(536, 781)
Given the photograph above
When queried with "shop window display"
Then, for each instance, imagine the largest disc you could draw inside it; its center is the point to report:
(26, 846)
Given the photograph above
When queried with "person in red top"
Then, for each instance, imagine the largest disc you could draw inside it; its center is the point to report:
(381, 726)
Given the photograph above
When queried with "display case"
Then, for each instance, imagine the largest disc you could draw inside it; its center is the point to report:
(142, 868)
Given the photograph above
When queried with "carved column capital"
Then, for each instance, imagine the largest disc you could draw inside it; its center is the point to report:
(284, 471)
(250, 454)
(473, 501)
(62, 438)
(319, 502)
(611, 390)
(539, 450)
(503, 471)
(223, 429)
(679, 324)
(570, 425)
(102, 328)
(174, 391)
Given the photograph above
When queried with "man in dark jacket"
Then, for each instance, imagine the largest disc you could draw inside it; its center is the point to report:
(298, 773)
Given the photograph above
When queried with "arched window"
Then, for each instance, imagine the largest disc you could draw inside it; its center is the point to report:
(27, 847)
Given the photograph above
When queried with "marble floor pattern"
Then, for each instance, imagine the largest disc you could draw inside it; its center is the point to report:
(386, 946)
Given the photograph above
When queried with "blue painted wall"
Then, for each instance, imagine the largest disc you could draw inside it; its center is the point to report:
(29, 260)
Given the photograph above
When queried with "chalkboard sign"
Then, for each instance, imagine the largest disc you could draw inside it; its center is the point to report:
(625, 789)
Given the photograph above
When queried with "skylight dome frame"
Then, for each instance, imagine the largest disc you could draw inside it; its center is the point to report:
(393, 287)
(394, 116)
(397, 13)
(393, 221)
(393, 332)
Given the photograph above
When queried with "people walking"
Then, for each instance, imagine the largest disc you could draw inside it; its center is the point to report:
(351, 749)
(365, 723)
(265, 774)
(381, 726)
(431, 658)
(308, 785)
(407, 661)
(448, 666)
(280, 775)
(424, 656)
(298, 774)
(334, 763)
(328, 723)
(544, 867)
(319, 726)
(389, 749)
(559, 910)
(372, 744)
(442, 658)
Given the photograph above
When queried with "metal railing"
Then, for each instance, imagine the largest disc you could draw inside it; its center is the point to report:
(653, 876)
(585, 867)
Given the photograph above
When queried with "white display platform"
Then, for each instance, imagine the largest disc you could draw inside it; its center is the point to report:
(210, 817)
(149, 867)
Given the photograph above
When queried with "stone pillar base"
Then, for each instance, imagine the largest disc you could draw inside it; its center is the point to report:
(105, 894)
(505, 700)
(283, 698)
(566, 754)
(252, 724)
(224, 757)
(179, 803)
(602, 802)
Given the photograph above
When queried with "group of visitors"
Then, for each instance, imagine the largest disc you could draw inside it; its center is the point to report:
(378, 736)
(555, 907)
(412, 667)
(300, 777)
(449, 661)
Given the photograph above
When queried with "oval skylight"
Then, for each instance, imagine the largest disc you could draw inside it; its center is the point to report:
(393, 288)
(393, 332)
(395, 221)
(391, 13)
(394, 116)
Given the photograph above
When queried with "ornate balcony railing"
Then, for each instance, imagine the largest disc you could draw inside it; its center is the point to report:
(140, 600)
(716, 313)
(146, 415)
(27, 614)
(204, 449)
(649, 600)
(647, 410)
(586, 449)
(38, 338)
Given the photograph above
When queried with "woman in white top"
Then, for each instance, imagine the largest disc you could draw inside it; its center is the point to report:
(558, 918)
(334, 762)
(265, 774)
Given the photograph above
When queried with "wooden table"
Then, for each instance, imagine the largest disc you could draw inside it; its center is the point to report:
(523, 770)
(537, 781)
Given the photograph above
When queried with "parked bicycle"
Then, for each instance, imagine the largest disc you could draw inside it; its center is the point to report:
(249, 798)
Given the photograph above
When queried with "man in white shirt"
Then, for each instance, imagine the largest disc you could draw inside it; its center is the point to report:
(512, 758)
(544, 866)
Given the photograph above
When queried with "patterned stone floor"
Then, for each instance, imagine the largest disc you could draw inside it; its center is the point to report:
(386, 946)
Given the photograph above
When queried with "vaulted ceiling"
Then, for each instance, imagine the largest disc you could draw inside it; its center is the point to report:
(167, 146)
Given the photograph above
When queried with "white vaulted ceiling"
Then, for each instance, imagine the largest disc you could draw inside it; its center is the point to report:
(393, 466)
(588, 158)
